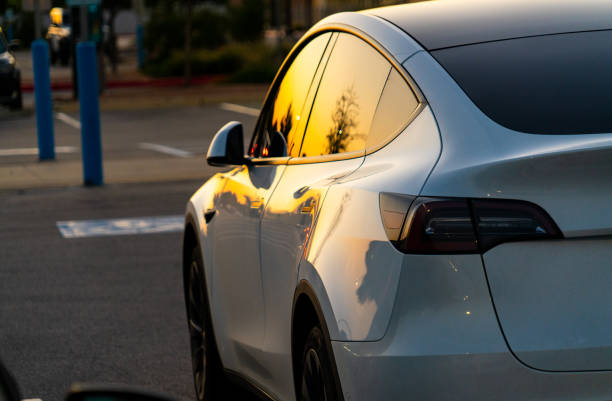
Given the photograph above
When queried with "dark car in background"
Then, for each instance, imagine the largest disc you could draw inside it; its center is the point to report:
(10, 77)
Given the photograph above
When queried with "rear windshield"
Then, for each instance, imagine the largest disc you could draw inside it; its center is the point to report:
(557, 84)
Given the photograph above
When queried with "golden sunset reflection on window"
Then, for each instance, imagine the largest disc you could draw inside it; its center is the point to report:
(347, 98)
(293, 90)
(395, 108)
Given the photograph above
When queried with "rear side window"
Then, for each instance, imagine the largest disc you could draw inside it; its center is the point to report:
(557, 84)
(346, 100)
(394, 111)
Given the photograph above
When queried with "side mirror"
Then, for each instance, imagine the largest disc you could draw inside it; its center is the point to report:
(227, 147)
(98, 392)
(14, 45)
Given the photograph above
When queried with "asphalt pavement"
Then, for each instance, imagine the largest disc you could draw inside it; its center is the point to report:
(106, 309)
(145, 145)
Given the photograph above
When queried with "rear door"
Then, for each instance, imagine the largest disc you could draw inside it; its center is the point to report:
(333, 147)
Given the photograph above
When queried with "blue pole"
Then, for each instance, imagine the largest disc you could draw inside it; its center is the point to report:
(87, 75)
(140, 44)
(42, 96)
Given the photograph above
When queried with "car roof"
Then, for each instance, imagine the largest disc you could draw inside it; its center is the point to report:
(448, 23)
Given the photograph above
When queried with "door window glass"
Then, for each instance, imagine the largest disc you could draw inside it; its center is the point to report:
(285, 113)
(346, 100)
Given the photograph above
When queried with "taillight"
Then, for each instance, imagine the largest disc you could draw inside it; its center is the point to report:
(499, 221)
(438, 225)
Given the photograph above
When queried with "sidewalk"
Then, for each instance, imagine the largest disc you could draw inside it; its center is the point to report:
(62, 173)
(139, 144)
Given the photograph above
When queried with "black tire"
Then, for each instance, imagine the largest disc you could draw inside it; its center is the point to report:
(317, 382)
(64, 53)
(207, 370)
(53, 57)
(17, 103)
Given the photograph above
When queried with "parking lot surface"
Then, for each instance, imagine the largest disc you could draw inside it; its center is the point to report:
(110, 308)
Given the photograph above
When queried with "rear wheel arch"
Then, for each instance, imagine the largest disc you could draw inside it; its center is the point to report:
(306, 314)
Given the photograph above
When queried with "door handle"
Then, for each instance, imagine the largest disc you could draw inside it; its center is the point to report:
(209, 214)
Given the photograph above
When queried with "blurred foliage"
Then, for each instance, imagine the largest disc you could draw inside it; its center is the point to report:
(225, 40)
(247, 20)
(24, 28)
(239, 62)
(164, 31)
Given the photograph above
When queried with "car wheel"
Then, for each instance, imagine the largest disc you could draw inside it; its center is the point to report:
(17, 103)
(317, 375)
(53, 57)
(206, 364)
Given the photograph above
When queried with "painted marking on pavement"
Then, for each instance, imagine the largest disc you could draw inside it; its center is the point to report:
(32, 399)
(34, 151)
(127, 226)
(164, 149)
(251, 111)
(65, 118)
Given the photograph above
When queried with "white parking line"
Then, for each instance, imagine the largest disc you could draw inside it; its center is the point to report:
(251, 111)
(34, 151)
(164, 149)
(128, 226)
(65, 118)
(32, 399)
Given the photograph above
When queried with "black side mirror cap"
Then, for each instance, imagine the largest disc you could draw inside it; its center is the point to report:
(227, 147)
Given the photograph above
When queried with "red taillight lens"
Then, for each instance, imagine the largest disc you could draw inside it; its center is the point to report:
(436, 225)
(499, 221)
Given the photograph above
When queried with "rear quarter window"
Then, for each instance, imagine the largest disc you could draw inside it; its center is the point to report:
(556, 84)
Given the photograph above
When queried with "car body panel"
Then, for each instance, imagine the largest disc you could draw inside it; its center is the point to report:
(286, 227)
(363, 366)
(239, 307)
(349, 248)
(553, 299)
(444, 343)
(441, 24)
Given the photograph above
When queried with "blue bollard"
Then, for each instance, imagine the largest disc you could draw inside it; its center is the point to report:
(87, 74)
(140, 45)
(42, 96)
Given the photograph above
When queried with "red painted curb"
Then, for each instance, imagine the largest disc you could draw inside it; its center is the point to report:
(157, 83)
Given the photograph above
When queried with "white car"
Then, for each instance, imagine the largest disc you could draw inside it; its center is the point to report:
(424, 212)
